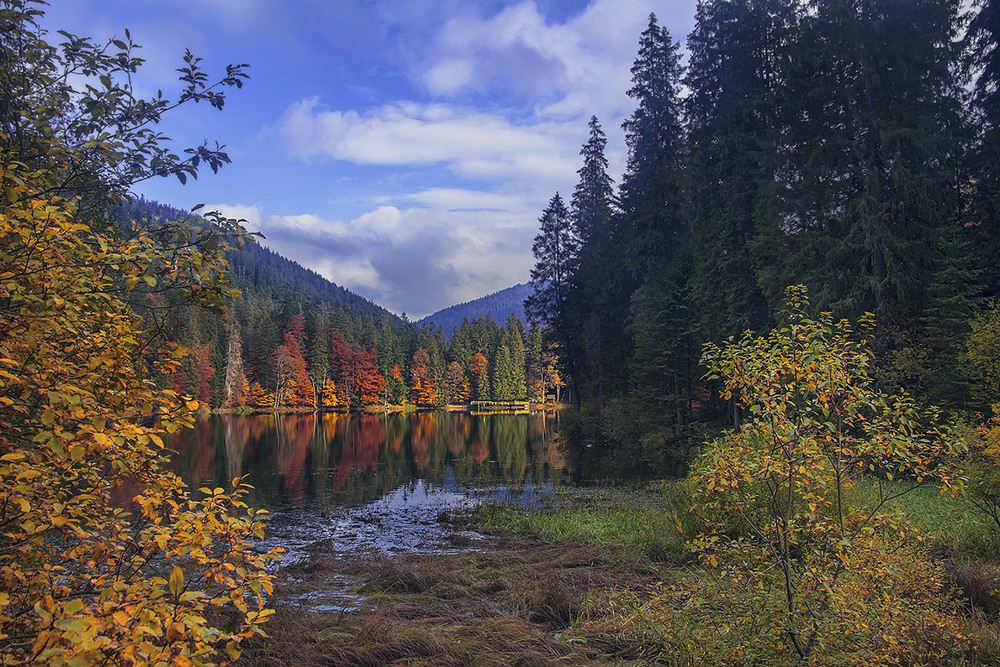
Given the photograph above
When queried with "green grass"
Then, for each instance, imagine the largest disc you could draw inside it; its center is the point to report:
(950, 522)
(643, 521)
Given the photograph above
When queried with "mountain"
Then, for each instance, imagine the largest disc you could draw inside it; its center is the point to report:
(498, 305)
(259, 272)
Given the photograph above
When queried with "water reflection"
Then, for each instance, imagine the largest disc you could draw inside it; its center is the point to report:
(333, 460)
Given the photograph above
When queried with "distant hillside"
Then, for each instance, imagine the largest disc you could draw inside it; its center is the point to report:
(259, 272)
(498, 305)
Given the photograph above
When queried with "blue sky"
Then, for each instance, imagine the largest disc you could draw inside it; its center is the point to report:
(403, 149)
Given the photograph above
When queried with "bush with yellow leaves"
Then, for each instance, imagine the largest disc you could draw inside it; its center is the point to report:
(820, 571)
(85, 578)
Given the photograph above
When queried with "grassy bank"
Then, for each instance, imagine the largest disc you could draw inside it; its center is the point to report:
(603, 576)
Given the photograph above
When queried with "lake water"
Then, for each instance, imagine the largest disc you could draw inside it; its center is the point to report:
(357, 483)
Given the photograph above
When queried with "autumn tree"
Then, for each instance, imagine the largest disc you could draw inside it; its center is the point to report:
(479, 368)
(83, 580)
(457, 384)
(293, 387)
(342, 366)
(423, 388)
(983, 354)
(819, 567)
(396, 385)
(260, 397)
(369, 383)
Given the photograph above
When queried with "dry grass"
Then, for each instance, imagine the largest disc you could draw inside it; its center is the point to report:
(508, 606)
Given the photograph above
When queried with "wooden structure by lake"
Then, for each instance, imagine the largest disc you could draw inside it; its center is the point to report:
(499, 407)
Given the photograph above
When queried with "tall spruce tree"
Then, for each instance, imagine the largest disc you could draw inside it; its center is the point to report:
(870, 169)
(555, 249)
(738, 61)
(651, 188)
(591, 210)
(982, 68)
(654, 219)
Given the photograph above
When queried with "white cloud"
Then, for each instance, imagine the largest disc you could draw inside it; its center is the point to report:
(449, 76)
(576, 68)
(533, 157)
(418, 259)
(457, 199)
(238, 212)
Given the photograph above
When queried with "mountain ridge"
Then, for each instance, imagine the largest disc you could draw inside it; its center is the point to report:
(498, 305)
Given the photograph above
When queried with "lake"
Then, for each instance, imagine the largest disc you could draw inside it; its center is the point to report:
(373, 482)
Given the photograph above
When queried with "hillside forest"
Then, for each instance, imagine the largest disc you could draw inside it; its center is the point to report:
(292, 340)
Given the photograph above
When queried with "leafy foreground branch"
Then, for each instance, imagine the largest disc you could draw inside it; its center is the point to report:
(105, 557)
(85, 575)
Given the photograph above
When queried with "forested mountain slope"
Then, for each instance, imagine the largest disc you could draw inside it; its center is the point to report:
(498, 306)
(260, 272)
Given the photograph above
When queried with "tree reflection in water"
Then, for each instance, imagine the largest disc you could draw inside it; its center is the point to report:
(337, 459)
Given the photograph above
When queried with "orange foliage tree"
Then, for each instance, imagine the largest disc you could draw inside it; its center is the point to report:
(259, 397)
(369, 383)
(423, 388)
(83, 580)
(294, 388)
(330, 400)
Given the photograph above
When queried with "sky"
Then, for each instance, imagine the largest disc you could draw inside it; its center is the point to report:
(404, 149)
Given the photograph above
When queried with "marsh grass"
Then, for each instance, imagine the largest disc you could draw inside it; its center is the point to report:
(651, 522)
(598, 576)
(514, 605)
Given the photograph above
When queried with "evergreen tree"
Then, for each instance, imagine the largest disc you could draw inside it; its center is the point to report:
(589, 295)
(871, 163)
(503, 376)
(650, 191)
(662, 364)
(736, 73)
(457, 384)
(535, 364)
(555, 250)
(513, 340)
(593, 197)
(319, 353)
(982, 67)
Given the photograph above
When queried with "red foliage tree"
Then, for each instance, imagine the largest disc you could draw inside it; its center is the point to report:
(294, 389)
(342, 366)
(369, 383)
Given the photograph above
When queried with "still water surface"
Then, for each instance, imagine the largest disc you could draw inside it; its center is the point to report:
(359, 483)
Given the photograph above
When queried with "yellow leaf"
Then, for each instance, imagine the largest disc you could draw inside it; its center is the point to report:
(176, 581)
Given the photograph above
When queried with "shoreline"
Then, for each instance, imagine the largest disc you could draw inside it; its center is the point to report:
(378, 410)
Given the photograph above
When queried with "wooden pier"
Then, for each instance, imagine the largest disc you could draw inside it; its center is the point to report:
(499, 407)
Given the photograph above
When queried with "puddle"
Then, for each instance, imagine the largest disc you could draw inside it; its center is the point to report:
(330, 601)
